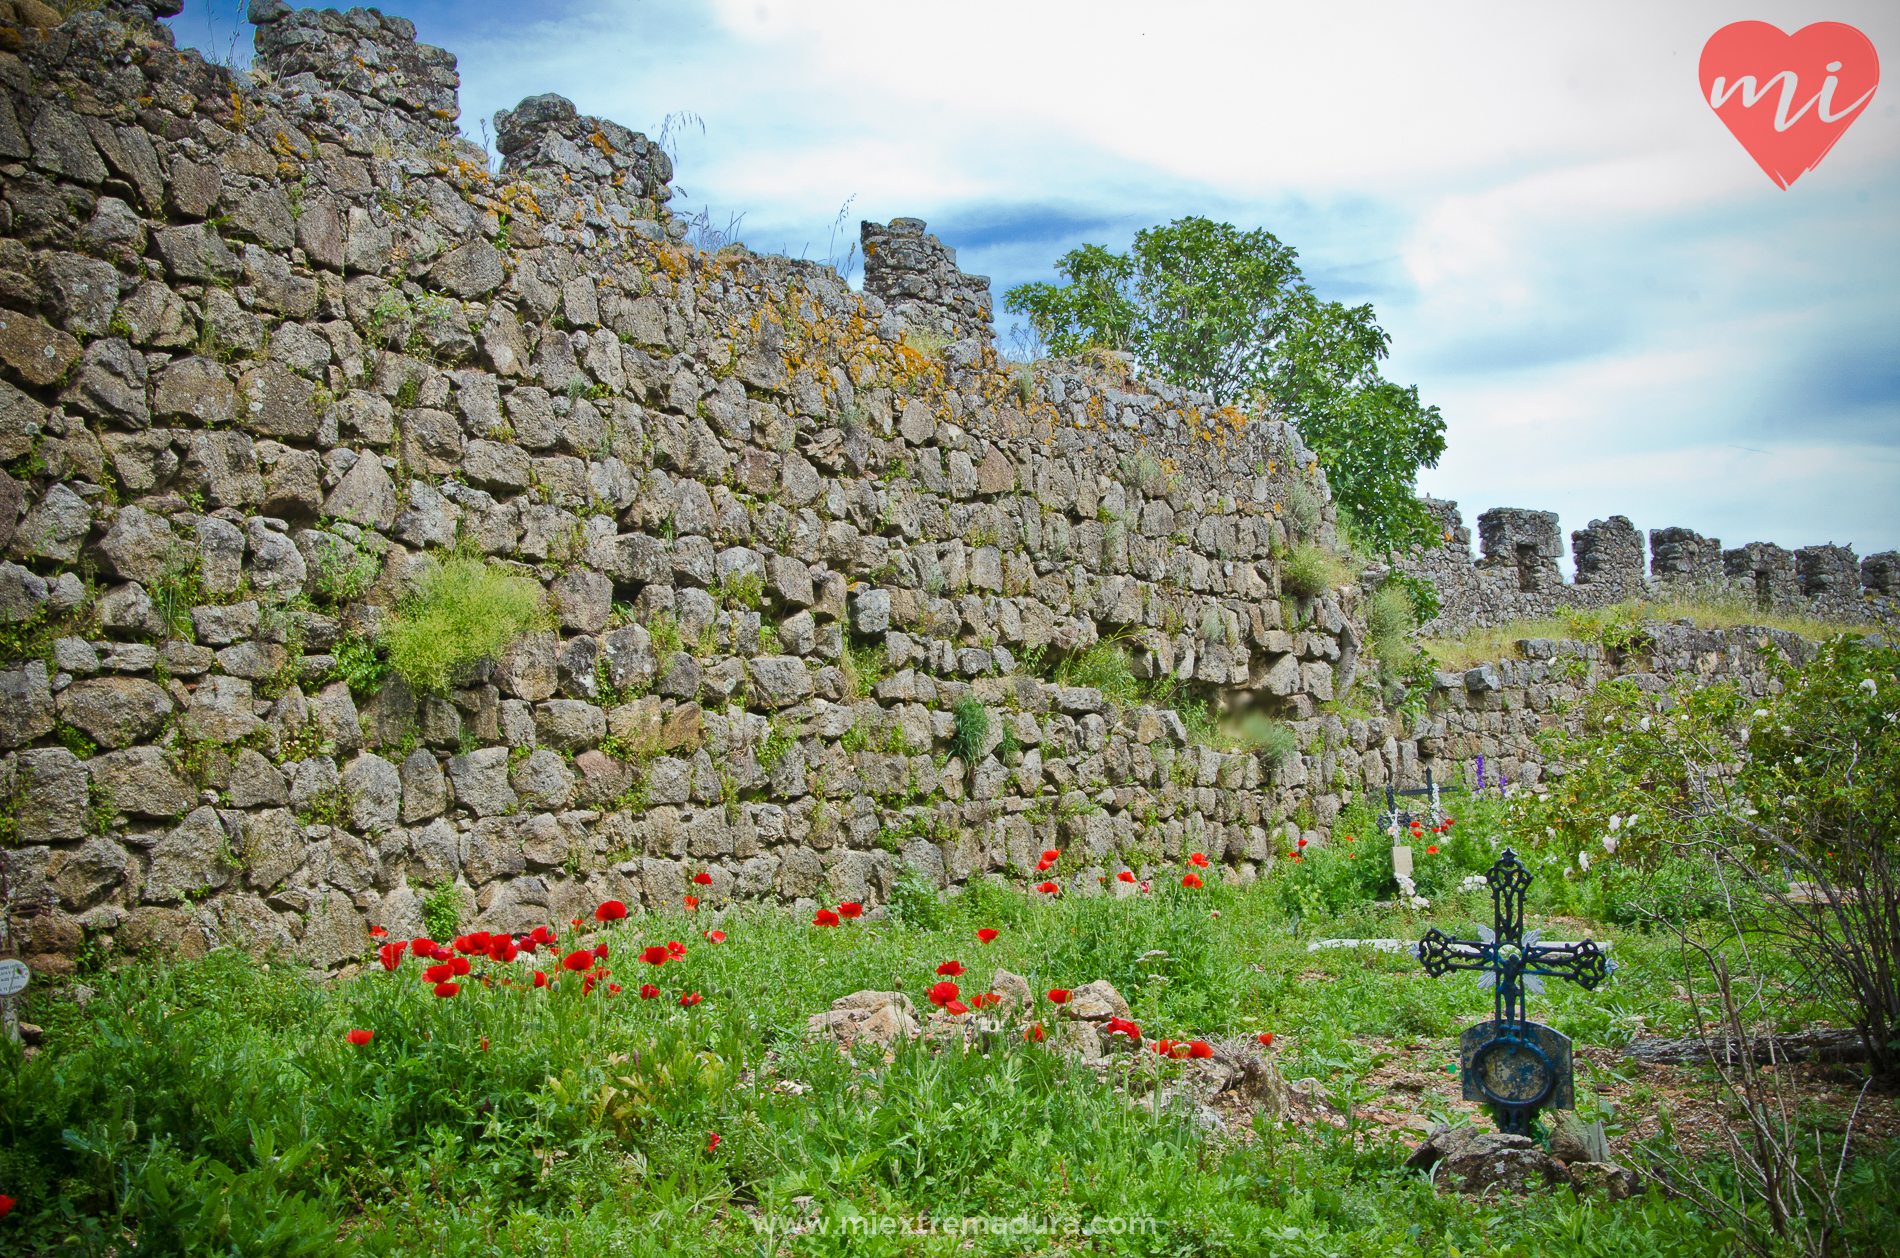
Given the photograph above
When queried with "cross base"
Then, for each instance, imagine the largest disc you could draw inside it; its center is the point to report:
(1518, 1068)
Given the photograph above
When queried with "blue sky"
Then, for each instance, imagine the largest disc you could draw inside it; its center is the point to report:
(1616, 311)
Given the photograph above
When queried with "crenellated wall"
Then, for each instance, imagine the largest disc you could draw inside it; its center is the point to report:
(273, 343)
(916, 276)
(1516, 576)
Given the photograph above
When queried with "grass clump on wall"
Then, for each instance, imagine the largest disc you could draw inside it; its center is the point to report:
(1311, 570)
(465, 611)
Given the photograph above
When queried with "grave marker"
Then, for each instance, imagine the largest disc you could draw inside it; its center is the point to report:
(1517, 1065)
(13, 980)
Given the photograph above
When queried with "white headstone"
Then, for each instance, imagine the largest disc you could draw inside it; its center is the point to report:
(1401, 862)
(13, 977)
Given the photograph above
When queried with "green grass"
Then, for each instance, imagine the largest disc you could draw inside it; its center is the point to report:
(515, 1120)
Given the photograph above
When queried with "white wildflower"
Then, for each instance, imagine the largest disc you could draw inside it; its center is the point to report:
(1583, 861)
(1761, 711)
(1870, 686)
(1643, 724)
(1616, 822)
(1609, 843)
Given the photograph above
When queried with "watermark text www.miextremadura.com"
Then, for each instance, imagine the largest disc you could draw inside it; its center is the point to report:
(956, 1225)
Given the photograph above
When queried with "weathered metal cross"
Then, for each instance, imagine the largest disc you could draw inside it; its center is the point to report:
(1519, 1066)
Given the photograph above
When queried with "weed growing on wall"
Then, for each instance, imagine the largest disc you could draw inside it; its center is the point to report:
(465, 611)
(1311, 570)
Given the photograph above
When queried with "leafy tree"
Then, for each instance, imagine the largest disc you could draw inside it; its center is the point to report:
(1210, 307)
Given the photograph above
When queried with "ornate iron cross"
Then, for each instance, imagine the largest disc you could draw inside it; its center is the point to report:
(1517, 1065)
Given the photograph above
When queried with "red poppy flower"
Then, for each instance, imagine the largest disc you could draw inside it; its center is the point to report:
(712, 1141)
(1301, 843)
(1165, 1048)
(377, 932)
(987, 935)
(703, 878)
(359, 1038)
(1049, 888)
(540, 979)
(677, 948)
(1198, 860)
(587, 983)
(575, 922)
(527, 946)
(391, 955)
(422, 947)
(716, 936)
(436, 973)
(648, 991)
(1122, 1026)
(690, 999)
(1350, 839)
(461, 943)
(6, 1205)
(956, 1006)
(943, 993)
(1059, 995)
(579, 960)
(501, 948)
(1052, 855)
(611, 911)
(479, 941)
(1200, 1048)
(1265, 1038)
(1034, 1032)
(1044, 866)
(600, 950)
(613, 989)
(1432, 850)
(1124, 876)
(951, 968)
(850, 908)
(1190, 880)
(542, 935)
(459, 965)
(825, 917)
(447, 989)
(692, 903)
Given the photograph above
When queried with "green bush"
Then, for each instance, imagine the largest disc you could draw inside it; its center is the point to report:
(465, 611)
(1391, 618)
(1104, 666)
(340, 573)
(1311, 570)
(973, 730)
(915, 902)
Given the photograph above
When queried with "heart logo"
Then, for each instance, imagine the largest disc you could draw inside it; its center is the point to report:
(1788, 98)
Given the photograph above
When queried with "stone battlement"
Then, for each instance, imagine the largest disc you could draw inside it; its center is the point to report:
(1515, 576)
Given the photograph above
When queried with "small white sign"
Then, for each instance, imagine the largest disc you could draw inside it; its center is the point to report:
(13, 976)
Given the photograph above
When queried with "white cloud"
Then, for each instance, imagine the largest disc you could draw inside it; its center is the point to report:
(1576, 260)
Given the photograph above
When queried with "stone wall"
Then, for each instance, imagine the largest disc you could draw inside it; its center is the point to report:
(1516, 576)
(1497, 710)
(273, 343)
(916, 276)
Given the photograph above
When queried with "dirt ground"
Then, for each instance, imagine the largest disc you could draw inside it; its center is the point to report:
(1405, 1093)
